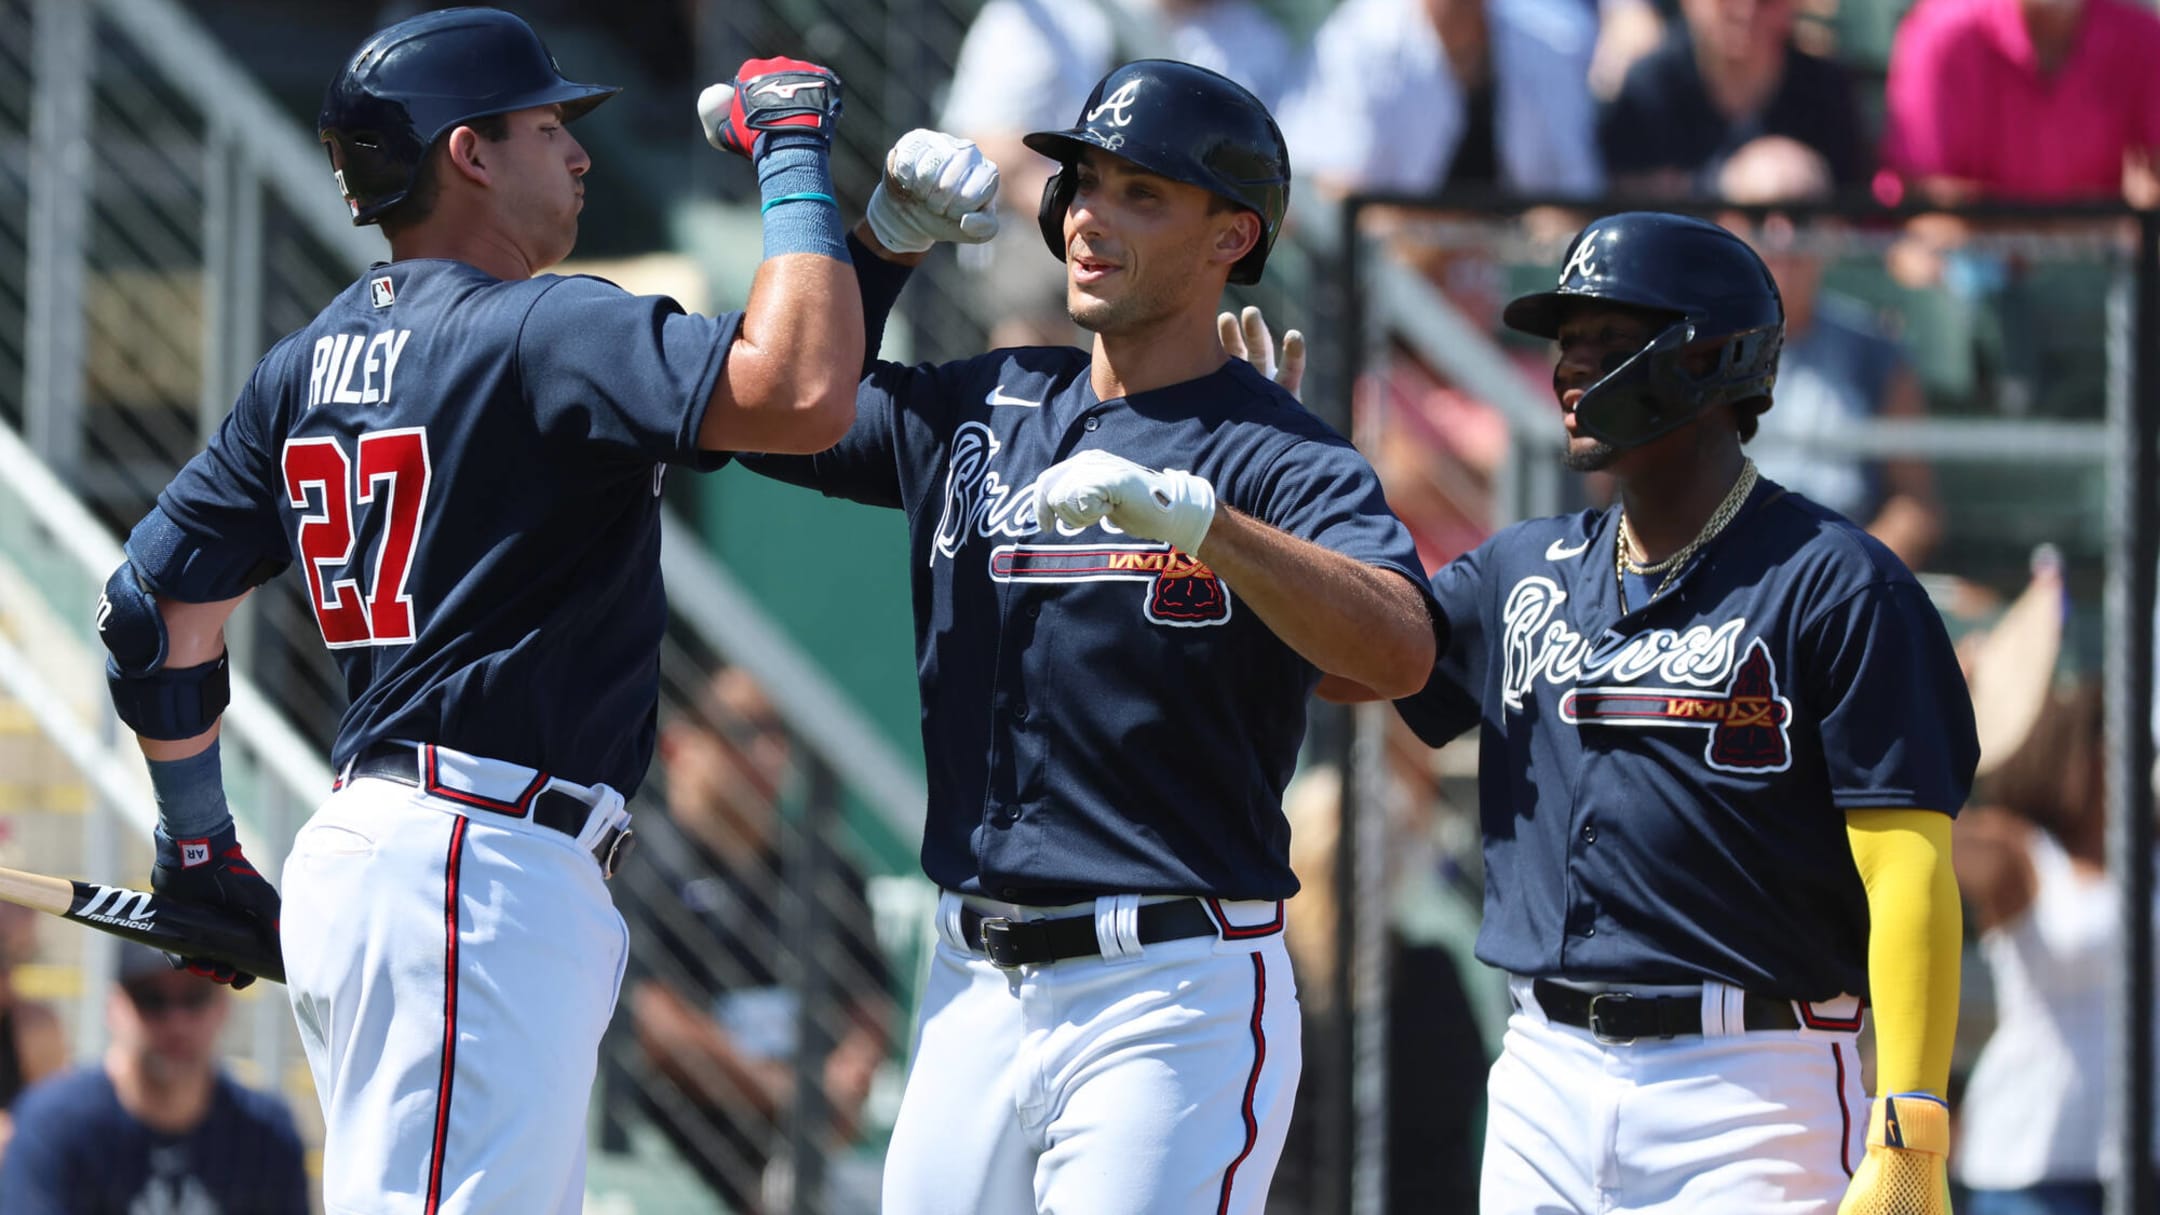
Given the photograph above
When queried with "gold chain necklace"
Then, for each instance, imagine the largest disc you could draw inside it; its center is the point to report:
(1624, 540)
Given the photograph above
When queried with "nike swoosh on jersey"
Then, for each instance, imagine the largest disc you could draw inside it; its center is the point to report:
(1560, 551)
(997, 397)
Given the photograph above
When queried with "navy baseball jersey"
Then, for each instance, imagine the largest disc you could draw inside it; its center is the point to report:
(1100, 715)
(1663, 791)
(77, 1151)
(468, 473)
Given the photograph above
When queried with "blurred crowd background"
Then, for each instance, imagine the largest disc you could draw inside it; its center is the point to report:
(1946, 191)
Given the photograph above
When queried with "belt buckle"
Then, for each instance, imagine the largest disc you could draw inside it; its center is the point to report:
(995, 935)
(614, 850)
(1597, 1026)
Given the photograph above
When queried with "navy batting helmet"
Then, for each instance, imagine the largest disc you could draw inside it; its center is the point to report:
(410, 84)
(1709, 287)
(1184, 123)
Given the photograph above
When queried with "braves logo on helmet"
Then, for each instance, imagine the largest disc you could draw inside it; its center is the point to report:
(1582, 264)
(1117, 105)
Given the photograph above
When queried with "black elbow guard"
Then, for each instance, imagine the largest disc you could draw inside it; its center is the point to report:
(171, 704)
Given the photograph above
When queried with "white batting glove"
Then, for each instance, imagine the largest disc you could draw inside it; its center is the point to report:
(936, 187)
(1171, 505)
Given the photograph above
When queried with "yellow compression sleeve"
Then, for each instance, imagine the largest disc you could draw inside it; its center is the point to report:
(1915, 937)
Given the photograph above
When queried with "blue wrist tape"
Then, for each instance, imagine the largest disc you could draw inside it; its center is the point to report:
(191, 794)
(795, 184)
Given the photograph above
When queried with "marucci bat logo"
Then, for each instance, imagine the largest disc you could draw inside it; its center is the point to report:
(119, 906)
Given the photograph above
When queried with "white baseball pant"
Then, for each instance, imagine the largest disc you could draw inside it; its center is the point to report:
(452, 969)
(1158, 1079)
(1771, 1122)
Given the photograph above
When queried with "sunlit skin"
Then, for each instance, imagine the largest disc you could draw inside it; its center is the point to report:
(540, 172)
(1146, 260)
(509, 207)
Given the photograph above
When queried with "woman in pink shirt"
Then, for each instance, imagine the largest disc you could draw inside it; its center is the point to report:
(2034, 100)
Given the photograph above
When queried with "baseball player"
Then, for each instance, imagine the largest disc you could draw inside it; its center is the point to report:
(1722, 735)
(1131, 565)
(464, 457)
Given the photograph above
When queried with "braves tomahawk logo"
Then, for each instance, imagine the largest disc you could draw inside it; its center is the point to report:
(1694, 678)
(1182, 592)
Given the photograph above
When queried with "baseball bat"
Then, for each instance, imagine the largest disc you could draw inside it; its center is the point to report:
(188, 929)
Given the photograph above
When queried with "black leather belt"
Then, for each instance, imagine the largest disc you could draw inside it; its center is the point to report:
(1621, 1016)
(551, 807)
(1009, 943)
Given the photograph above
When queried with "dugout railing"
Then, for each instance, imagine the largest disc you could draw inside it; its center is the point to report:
(2038, 356)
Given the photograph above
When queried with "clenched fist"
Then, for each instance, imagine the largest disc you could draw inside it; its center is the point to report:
(1171, 505)
(936, 187)
(771, 103)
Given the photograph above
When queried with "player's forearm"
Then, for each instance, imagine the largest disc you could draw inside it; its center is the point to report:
(1345, 617)
(789, 383)
(1915, 934)
(195, 634)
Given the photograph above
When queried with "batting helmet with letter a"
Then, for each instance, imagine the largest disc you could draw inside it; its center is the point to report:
(410, 84)
(1184, 123)
(1714, 294)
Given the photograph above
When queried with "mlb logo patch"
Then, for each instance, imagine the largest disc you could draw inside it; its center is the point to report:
(193, 853)
(382, 291)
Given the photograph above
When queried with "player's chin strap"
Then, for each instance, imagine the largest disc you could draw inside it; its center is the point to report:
(1907, 1167)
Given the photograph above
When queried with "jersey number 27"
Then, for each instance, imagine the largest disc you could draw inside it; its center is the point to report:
(393, 479)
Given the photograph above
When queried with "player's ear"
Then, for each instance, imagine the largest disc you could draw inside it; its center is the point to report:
(463, 149)
(1236, 232)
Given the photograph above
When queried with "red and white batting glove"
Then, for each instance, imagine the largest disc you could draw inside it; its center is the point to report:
(936, 187)
(771, 103)
(1093, 486)
(213, 872)
(1906, 1171)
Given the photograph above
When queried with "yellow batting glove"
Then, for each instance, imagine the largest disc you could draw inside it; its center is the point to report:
(1908, 1157)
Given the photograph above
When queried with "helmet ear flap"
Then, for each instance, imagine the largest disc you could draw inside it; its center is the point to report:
(1056, 200)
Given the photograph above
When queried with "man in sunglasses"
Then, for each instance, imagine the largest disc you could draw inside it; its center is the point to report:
(157, 1125)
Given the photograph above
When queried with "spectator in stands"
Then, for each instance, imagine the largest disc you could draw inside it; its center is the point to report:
(2038, 100)
(32, 1044)
(1407, 96)
(157, 1126)
(2031, 859)
(1028, 65)
(1727, 74)
(1838, 367)
(710, 1003)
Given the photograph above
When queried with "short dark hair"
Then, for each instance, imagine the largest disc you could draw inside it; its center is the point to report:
(419, 200)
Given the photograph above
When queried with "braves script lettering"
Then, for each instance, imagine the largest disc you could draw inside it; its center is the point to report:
(1538, 644)
(977, 500)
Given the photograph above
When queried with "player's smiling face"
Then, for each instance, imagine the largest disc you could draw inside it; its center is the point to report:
(1140, 248)
(541, 183)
